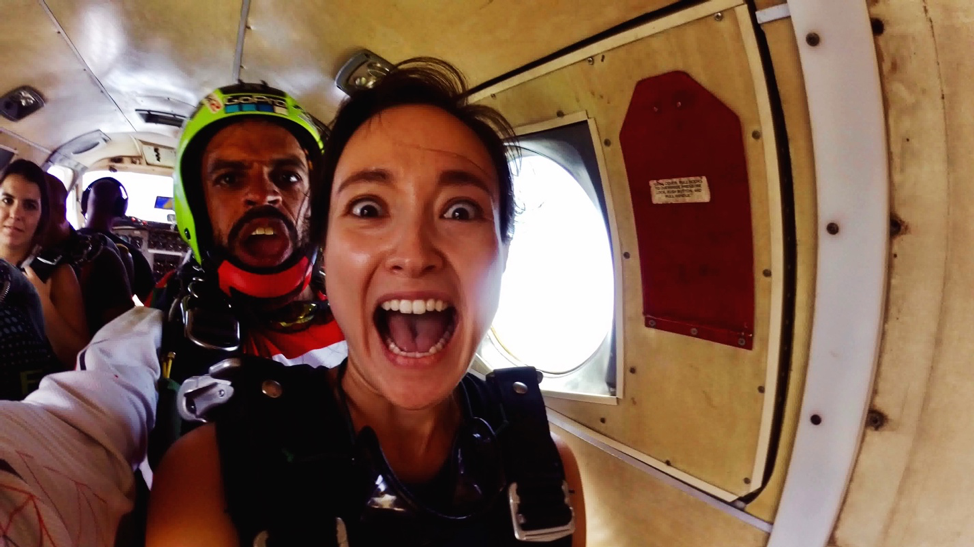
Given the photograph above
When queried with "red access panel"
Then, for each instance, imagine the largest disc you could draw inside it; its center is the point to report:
(684, 156)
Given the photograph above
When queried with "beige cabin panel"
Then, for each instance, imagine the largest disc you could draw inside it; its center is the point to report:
(764, 4)
(154, 55)
(912, 485)
(484, 39)
(783, 47)
(42, 58)
(691, 402)
(626, 507)
(22, 149)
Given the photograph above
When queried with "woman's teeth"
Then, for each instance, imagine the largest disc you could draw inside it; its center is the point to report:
(417, 307)
(437, 347)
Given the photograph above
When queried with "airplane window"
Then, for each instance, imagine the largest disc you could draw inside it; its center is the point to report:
(556, 305)
(144, 191)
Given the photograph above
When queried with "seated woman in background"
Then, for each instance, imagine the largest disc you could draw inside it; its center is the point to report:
(399, 445)
(24, 210)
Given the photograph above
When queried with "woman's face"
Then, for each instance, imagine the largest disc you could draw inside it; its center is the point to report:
(414, 255)
(20, 211)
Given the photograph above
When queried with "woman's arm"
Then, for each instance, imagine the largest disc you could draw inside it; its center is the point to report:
(574, 479)
(64, 313)
(187, 507)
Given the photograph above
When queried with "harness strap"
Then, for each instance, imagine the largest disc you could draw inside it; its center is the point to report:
(537, 492)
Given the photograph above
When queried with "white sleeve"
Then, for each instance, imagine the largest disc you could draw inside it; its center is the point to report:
(83, 432)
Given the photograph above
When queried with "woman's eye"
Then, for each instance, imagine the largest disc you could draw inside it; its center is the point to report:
(366, 208)
(31, 207)
(463, 210)
(7, 200)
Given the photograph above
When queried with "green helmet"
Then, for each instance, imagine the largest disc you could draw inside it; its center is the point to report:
(223, 107)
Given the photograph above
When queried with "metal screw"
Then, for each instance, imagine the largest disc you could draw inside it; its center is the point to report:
(632, 370)
(816, 419)
(625, 254)
(607, 142)
(222, 393)
(719, 16)
(560, 114)
(766, 273)
(813, 39)
(591, 61)
(895, 226)
(760, 389)
(602, 420)
(667, 462)
(693, 332)
(747, 480)
(875, 419)
(741, 342)
(832, 228)
(756, 134)
(271, 388)
(652, 323)
(520, 388)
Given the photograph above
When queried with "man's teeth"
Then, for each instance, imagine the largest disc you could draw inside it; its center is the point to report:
(417, 307)
(263, 231)
(437, 347)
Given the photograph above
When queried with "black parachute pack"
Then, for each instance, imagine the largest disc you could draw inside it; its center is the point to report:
(296, 473)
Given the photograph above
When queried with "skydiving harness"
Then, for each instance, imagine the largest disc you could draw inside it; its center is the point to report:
(76, 251)
(202, 327)
(296, 473)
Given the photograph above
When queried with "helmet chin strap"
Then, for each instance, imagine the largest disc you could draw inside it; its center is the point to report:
(266, 286)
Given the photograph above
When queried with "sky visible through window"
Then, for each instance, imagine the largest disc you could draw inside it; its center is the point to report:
(557, 293)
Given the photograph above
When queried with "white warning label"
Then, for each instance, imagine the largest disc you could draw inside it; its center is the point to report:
(685, 190)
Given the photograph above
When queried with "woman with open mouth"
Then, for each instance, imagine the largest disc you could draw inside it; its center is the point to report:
(399, 445)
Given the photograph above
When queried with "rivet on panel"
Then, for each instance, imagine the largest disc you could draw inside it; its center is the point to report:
(741, 342)
(607, 142)
(766, 273)
(591, 61)
(875, 420)
(694, 331)
(602, 420)
(667, 462)
(520, 388)
(271, 388)
(719, 16)
(493, 95)
(625, 254)
(756, 134)
(813, 39)
(816, 419)
(632, 370)
(652, 323)
(560, 114)
(832, 228)
(896, 226)
(747, 480)
(879, 27)
(760, 389)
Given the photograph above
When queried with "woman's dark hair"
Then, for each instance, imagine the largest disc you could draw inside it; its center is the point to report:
(31, 172)
(419, 81)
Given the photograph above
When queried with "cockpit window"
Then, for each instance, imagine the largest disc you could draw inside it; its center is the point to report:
(556, 306)
(146, 194)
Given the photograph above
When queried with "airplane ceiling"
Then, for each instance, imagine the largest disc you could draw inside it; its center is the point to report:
(97, 61)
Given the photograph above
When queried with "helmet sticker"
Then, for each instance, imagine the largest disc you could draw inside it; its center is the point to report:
(252, 103)
(213, 102)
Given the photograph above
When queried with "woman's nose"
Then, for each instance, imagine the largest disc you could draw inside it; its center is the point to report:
(415, 253)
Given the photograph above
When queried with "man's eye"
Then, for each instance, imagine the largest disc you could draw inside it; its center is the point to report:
(226, 179)
(366, 208)
(289, 178)
(462, 210)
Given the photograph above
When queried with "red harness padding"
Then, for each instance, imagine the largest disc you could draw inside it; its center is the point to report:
(273, 285)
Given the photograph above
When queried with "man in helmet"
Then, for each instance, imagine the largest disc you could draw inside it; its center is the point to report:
(252, 286)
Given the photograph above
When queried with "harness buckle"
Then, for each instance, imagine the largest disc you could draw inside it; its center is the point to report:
(199, 394)
(538, 535)
(209, 329)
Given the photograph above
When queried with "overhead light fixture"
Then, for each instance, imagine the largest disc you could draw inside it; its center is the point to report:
(162, 118)
(362, 71)
(20, 103)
